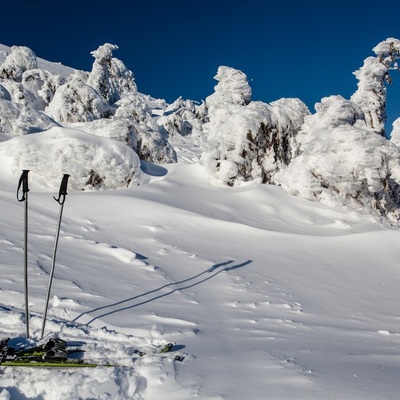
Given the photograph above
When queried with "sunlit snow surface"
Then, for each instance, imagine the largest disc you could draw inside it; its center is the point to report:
(267, 296)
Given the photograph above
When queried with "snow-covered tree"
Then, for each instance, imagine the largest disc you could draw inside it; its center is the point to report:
(42, 84)
(20, 59)
(92, 162)
(372, 77)
(231, 93)
(248, 140)
(232, 90)
(184, 118)
(109, 76)
(18, 119)
(341, 162)
(255, 142)
(76, 101)
(145, 136)
(19, 94)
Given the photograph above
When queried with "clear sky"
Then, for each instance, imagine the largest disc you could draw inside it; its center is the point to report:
(297, 48)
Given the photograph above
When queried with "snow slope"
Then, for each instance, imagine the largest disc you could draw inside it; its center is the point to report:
(267, 296)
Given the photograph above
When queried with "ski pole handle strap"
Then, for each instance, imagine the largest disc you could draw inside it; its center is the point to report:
(63, 190)
(23, 181)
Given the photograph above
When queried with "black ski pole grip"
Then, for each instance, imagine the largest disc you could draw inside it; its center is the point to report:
(63, 190)
(23, 181)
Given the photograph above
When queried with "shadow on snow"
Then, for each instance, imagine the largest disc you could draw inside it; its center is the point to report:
(208, 273)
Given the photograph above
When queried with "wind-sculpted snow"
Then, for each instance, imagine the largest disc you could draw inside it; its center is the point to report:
(92, 162)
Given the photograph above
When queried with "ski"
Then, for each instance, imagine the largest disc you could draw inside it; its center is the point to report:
(55, 353)
(69, 363)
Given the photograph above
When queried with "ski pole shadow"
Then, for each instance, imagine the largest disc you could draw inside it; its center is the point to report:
(175, 287)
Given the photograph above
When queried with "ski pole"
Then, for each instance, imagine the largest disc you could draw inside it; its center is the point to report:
(23, 181)
(61, 199)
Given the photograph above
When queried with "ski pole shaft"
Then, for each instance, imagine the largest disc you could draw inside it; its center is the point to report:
(52, 270)
(23, 181)
(26, 268)
(60, 200)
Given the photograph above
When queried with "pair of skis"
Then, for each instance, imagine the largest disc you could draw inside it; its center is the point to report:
(55, 353)
(24, 187)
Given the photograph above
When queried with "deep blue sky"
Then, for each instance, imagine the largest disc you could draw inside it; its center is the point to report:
(306, 49)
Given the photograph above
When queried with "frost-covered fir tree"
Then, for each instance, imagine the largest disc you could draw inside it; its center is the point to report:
(341, 162)
(42, 84)
(109, 76)
(18, 119)
(231, 93)
(19, 94)
(144, 134)
(93, 162)
(372, 77)
(20, 59)
(248, 140)
(184, 118)
(75, 101)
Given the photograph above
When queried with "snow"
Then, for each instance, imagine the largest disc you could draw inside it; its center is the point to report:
(265, 295)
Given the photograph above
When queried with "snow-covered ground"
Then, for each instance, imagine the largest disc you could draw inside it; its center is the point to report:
(267, 296)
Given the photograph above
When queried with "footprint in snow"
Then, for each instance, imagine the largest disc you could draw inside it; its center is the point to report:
(120, 253)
